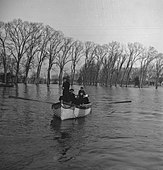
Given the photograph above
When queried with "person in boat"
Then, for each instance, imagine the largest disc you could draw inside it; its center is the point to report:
(80, 96)
(72, 97)
(81, 92)
(85, 99)
(65, 87)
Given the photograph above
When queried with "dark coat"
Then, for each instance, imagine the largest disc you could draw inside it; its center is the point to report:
(66, 86)
(81, 93)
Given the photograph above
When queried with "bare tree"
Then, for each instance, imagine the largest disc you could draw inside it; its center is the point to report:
(159, 67)
(100, 53)
(119, 64)
(88, 71)
(54, 47)
(77, 53)
(114, 52)
(19, 36)
(42, 53)
(133, 52)
(33, 47)
(64, 56)
(109, 62)
(145, 60)
(4, 56)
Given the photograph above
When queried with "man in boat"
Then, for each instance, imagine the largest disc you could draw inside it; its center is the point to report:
(65, 87)
(81, 94)
(72, 96)
(85, 99)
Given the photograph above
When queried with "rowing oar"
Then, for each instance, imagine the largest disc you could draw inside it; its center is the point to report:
(14, 97)
(125, 101)
(116, 102)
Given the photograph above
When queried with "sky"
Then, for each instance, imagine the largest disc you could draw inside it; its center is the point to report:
(100, 21)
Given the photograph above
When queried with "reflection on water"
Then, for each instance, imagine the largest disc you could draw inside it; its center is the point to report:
(69, 137)
(115, 136)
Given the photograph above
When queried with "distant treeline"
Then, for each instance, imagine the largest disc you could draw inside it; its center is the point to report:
(26, 46)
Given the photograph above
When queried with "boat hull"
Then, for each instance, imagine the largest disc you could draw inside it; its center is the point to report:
(65, 111)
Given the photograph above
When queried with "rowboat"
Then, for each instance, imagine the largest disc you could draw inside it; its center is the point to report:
(67, 111)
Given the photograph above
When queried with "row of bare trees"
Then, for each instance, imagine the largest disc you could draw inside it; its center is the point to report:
(114, 63)
(26, 46)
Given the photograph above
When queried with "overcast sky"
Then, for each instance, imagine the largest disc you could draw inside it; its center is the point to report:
(101, 21)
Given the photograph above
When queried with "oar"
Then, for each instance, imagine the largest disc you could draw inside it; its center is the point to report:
(116, 102)
(125, 101)
(15, 97)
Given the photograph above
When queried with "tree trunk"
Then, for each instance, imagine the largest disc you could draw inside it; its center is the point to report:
(60, 76)
(26, 75)
(48, 77)
(116, 79)
(17, 73)
(72, 75)
(72, 78)
(38, 74)
(27, 67)
(5, 74)
(156, 83)
(128, 76)
(123, 78)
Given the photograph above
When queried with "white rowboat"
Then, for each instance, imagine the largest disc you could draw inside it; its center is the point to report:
(67, 111)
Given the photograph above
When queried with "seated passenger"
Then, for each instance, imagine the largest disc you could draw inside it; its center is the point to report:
(81, 92)
(85, 99)
(79, 99)
(72, 96)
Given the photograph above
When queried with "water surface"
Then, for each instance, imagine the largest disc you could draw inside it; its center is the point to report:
(127, 136)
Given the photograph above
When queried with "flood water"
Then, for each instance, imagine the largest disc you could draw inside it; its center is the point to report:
(122, 136)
